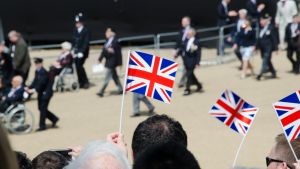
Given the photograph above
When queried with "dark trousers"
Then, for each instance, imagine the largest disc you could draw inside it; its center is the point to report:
(239, 55)
(44, 112)
(295, 62)
(191, 79)
(82, 77)
(111, 73)
(266, 54)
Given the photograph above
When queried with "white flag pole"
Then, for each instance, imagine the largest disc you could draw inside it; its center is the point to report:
(238, 152)
(123, 96)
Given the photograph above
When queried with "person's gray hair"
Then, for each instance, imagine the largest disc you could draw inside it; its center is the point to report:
(96, 149)
(243, 12)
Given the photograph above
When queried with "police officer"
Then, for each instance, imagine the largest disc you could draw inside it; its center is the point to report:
(267, 43)
(43, 86)
(291, 38)
(191, 60)
(113, 58)
(81, 39)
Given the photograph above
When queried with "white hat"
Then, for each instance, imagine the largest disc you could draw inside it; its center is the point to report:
(66, 45)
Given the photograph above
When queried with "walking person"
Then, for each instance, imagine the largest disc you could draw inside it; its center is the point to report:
(291, 38)
(246, 41)
(267, 43)
(43, 86)
(81, 40)
(20, 54)
(286, 9)
(192, 58)
(113, 58)
(137, 98)
(186, 24)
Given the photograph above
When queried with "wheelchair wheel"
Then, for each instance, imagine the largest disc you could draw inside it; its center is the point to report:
(20, 120)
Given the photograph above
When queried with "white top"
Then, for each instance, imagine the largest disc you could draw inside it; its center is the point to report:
(190, 43)
(294, 28)
(79, 29)
(107, 45)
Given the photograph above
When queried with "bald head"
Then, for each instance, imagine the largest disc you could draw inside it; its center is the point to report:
(16, 81)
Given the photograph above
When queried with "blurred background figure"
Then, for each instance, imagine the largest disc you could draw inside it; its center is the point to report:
(254, 9)
(224, 16)
(20, 54)
(267, 43)
(137, 98)
(191, 60)
(182, 38)
(23, 161)
(292, 38)
(81, 40)
(6, 65)
(246, 41)
(49, 160)
(235, 31)
(286, 9)
(113, 58)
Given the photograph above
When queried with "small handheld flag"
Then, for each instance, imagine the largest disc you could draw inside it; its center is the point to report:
(288, 113)
(234, 112)
(151, 75)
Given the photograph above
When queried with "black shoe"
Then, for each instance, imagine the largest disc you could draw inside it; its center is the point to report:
(273, 76)
(86, 86)
(199, 88)
(151, 111)
(186, 93)
(258, 77)
(40, 129)
(100, 94)
(120, 92)
(180, 86)
(54, 123)
(135, 115)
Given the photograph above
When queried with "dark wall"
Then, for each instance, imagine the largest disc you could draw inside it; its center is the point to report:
(51, 20)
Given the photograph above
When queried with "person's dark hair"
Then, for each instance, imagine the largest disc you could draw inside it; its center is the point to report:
(23, 161)
(49, 160)
(166, 156)
(155, 130)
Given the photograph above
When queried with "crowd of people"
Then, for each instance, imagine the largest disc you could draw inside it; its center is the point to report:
(280, 32)
(159, 142)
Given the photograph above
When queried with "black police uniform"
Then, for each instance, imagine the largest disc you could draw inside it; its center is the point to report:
(43, 87)
(191, 59)
(293, 47)
(81, 45)
(267, 43)
(6, 68)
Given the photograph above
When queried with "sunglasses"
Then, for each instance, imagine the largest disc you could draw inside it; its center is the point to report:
(270, 160)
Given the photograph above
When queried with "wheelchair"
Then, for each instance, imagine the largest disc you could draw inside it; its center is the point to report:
(67, 80)
(17, 119)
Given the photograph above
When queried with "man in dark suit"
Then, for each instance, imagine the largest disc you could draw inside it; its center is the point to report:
(267, 43)
(113, 58)
(254, 10)
(81, 39)
(224, 16)
(16, 92)
(20, 54)
(191, 60)
(43, 86)
(291, 38)
(182, 38)
(6, 65)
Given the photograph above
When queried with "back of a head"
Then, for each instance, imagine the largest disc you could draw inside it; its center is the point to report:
(100, 155)
(8, 158)
(23, 161)
(156, 130)
(283, 149)
(49, 160)
(166, 156)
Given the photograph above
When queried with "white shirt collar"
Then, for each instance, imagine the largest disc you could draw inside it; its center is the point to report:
(189, 44)
(79, 29)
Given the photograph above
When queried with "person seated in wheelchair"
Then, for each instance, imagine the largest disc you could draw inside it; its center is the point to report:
(15, 94)
(65, 60)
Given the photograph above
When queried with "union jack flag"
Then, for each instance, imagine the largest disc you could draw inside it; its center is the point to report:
(151, 76)
(288, 113)
(234, 112)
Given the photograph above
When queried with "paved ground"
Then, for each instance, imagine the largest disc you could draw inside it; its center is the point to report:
(86, 117)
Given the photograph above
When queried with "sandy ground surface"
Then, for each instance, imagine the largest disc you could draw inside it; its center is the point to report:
(85, 117)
